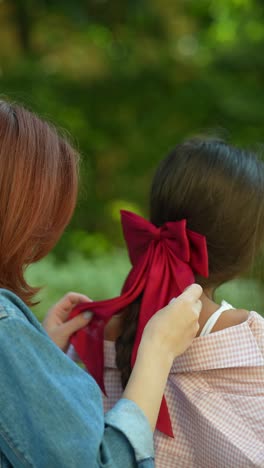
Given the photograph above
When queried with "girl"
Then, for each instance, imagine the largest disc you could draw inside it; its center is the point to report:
(214, 395)
(51, 411)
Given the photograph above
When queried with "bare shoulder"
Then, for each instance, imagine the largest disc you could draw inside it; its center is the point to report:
(230, 318)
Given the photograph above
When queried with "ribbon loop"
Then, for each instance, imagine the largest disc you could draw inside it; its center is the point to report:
(189, 246)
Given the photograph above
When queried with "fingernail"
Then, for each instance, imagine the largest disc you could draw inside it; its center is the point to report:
(188, 287)
(87, 315)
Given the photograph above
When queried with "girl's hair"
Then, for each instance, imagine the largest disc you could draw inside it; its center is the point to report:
(38, 183)
(219, 190)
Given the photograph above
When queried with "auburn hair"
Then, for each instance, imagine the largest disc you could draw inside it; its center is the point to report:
(38, 183)
(219, 190)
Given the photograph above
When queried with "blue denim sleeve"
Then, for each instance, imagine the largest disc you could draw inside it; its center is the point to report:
(51, 410)
(126, 416)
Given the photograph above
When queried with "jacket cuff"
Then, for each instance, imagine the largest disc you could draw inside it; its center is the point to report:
(128, 418)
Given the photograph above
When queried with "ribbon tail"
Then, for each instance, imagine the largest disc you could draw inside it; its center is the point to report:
(90, 348)
(164, 422)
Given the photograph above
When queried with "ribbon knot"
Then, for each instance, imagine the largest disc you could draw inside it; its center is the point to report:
(157, 235)
(160, 271)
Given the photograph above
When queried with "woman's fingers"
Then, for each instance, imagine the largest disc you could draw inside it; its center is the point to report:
(191, 296)
(175, 326)
(56, 322)
(65, 305)
(197, 307)
(80, 321)
(61, 333)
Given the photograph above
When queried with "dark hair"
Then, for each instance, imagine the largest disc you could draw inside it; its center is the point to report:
(219, 190)
(39, 181)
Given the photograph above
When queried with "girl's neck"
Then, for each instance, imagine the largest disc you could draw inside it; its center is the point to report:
(208, 307)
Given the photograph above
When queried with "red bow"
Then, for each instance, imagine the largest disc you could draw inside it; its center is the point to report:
(164, 261)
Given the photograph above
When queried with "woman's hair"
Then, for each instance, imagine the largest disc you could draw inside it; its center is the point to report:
(219, 190)
(38, 183)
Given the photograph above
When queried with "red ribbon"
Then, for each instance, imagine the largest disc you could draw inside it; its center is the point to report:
(164, 261)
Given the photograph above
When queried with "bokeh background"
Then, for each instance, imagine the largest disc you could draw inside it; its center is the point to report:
(128, 79)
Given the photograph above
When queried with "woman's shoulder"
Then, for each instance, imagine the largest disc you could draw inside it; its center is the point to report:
(10, 303)
(11, 306)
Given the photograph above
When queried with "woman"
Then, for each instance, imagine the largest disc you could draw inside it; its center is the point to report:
(50, 410)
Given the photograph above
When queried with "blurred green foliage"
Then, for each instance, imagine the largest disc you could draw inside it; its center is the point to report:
(129, 79)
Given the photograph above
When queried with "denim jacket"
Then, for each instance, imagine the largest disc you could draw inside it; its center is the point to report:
(51, 412)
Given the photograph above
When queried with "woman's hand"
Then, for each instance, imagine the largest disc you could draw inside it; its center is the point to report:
(56, 321)
(174, 327)
(167, 335)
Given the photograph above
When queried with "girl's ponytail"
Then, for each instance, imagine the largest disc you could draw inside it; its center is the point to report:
(124, 344)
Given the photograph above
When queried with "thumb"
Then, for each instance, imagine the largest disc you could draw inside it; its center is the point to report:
(191, 295)
(192, 292)
(78, 322)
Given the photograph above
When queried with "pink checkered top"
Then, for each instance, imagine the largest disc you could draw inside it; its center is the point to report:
(215, 395)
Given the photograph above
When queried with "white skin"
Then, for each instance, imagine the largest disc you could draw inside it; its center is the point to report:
(56, 322)
(167, 335)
